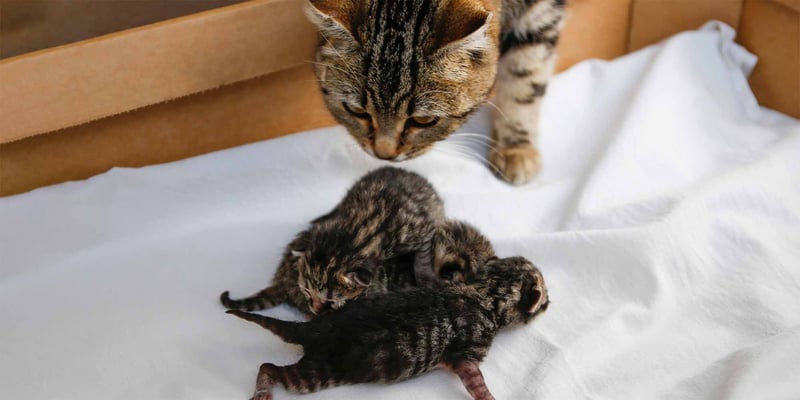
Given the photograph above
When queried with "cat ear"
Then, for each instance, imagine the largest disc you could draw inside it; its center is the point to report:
(530, 300)
(298, 253)
(467, 28)
(334, 18)
(359, 276)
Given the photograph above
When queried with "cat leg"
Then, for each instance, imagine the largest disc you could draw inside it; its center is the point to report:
(266, 298)
(289, 331)
(303, 377)
(470, 374)
(527, 47)
(264, 382)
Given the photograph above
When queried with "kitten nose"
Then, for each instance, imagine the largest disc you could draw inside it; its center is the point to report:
(385, 148)
(317, 306)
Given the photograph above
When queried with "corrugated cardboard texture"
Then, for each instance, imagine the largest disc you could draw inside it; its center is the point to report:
(85, 81)
(262, 108)
(594, 29)
(30, 25)
(772, 30)
(652, 21)
(288, 101)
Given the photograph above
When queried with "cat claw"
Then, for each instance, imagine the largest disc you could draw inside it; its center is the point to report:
(516, 165)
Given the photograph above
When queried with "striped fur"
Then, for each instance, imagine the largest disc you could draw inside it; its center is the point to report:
(366, 244)
(530, 35)
(402, 75)
(406, 333)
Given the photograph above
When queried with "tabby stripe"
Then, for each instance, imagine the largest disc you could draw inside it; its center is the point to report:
(511, 39)
(538, 91)
(376, 10)
(434, 341)
(515, 141)
(416, 54)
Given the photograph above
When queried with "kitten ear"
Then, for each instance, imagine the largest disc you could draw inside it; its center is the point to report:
(361, 276)
(298, 253)
(334, 18)
(530, 300)
(533, 298)
(467, 28)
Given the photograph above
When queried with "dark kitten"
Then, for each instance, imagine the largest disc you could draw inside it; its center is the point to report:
(406, 333)
(367, 243)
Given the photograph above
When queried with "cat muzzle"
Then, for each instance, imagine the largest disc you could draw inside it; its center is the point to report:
(385, 147)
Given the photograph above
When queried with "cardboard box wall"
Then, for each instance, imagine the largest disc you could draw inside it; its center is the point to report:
(241, 73)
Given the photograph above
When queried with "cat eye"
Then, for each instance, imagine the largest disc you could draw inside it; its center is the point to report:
(422, 121)
(356, 110)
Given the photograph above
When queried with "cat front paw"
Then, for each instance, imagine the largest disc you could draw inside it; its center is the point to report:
(516, 164)
(262, 395)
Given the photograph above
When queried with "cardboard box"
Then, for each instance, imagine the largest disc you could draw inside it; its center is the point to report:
(241, 73)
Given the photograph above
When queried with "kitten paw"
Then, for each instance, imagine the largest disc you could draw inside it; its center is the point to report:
(262, 395)
(516, 165)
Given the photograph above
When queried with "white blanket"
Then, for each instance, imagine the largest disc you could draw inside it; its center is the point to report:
(666, 222)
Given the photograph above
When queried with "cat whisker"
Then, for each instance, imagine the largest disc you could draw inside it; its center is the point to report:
(335, 50)
(460, 153)
(455, 150)
(472, 140)
(468, 139)
(475, 134)
(502, 114)
(331, 66)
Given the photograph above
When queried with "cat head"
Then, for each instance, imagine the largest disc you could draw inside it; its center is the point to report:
(459, 250)
(327, 277)
(402, 75)
(516, 288)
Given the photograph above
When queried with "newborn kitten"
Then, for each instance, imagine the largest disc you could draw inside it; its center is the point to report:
(459, 250)
(406, 333)
(383, 225)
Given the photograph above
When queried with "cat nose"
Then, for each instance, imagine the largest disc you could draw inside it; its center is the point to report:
(318, 307)
(385, 148)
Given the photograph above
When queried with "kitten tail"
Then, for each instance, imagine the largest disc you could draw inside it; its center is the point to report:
(269, 297)
(289, 331)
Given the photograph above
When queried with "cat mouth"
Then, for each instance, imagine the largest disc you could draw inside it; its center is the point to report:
(396, 158)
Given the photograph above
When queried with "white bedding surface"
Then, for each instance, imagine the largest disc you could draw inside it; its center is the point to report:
(666, 222)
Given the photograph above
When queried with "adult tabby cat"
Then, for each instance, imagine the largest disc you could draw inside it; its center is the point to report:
(401, 75)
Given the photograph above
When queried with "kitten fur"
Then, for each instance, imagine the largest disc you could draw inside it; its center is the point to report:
(402, 75)
(459, 250)
(406, 333)
(366, 244)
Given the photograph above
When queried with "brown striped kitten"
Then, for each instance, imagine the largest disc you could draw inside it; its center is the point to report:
(459, 250)
(402, 75)
(369, 243)
(403, 334)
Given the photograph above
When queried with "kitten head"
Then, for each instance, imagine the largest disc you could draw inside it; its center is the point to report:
(516, 288)
(403, 75)
(459, 250)
(329, 277)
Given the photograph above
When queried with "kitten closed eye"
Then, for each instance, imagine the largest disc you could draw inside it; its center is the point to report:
(387, 214)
